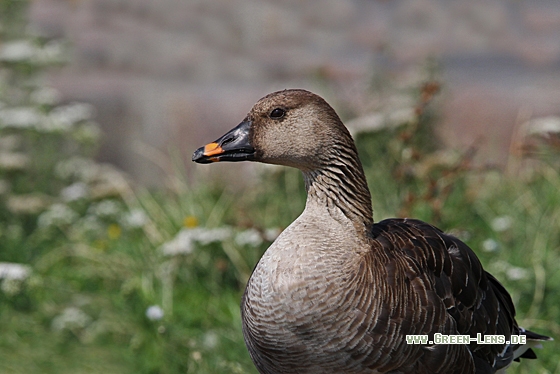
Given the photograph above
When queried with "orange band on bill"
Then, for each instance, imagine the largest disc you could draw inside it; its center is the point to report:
(212, 149)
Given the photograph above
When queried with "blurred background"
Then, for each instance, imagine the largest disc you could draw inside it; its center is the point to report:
(119, 255)
(179, 73)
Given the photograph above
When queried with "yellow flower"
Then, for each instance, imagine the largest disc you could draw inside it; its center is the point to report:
(114, 231)
(190, 222)
(100, 245)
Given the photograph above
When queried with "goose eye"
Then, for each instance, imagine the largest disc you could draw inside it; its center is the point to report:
(277, 113)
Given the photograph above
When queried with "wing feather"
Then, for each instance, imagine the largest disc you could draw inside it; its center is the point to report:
(452, 294)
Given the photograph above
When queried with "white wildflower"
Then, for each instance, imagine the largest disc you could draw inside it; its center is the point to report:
(10, 270)
(87, 132)
(271, 234)
(402, 115)
(154, 313)
(71, 318)
(135, 218)
(105, 209)
(463, 235)
(11, 287)
(17, 51)
(25, 50)
(206, 236)
(499, 266)
(490, 245)
(108, 182)
(54, 123)
(57, 215)
(210, 340)
(89, 223)
(65, 116)
(543, 125)
(407, 153)
(12, 276)
(516, 273)
(377, 121)
(368, 123)
(501, 223)
(79, 168)
(21, 117)
(184, 241)
(251, 237)
(45, 96)
(51, 52)
(13, 161)
(27, 204)
(75, 191)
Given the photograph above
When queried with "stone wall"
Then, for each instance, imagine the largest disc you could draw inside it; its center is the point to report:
(169, 75)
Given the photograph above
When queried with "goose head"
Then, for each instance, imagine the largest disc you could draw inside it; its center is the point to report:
(299, 129)
(292, 127)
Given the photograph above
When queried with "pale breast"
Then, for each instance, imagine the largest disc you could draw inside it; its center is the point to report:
(298, 302)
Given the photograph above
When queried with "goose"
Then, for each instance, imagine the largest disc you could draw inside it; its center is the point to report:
(338, 293)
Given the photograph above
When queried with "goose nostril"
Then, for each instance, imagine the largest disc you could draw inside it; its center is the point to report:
(228, 140)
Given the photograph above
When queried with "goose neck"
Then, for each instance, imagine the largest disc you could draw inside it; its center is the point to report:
(341, 188)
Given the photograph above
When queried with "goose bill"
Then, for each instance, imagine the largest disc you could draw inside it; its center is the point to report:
(234, 145)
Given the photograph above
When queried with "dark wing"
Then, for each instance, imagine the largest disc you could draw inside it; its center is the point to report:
(452, 278)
